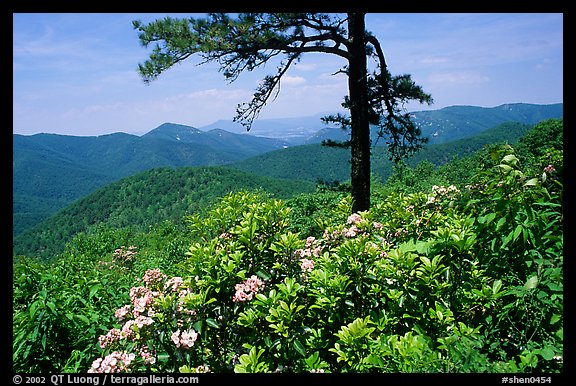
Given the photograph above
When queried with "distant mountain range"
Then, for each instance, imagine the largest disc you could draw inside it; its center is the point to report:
(50, 171)
(440, 126)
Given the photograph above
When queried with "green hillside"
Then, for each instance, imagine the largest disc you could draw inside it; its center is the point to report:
(327, 164)
(146, 199)
(456, 122)
(51, 171)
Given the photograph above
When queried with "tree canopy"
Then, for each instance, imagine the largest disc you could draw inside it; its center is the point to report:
(250, 40)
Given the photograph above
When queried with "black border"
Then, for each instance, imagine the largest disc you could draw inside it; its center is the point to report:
(549, 6)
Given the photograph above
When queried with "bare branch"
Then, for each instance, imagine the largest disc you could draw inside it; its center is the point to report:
(248, 112)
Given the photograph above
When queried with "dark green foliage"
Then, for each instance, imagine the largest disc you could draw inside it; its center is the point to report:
(58, 309)
(439, 278)
(322, 163)
(146, 199)
(312, 213)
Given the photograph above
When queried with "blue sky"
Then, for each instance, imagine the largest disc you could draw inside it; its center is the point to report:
(76, 74)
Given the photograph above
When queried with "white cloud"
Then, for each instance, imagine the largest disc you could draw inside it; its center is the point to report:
(458, 77)
(434, 60)
(292, 80)
(305, 66)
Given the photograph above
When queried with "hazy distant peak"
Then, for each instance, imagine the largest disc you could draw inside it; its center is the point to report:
(173, 131)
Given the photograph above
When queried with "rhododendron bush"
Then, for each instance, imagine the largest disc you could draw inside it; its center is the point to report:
(408, 286)
(465, 279)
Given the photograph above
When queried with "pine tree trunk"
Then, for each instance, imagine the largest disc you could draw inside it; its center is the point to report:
(360, 132)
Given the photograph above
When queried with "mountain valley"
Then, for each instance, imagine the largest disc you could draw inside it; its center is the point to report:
(52, 171)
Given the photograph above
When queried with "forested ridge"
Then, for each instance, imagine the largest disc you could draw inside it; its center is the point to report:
(52, 171)
(144, 200)
(170, 193)
(329, 164)
(457, 267)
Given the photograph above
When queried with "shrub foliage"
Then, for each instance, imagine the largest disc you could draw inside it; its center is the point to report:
(465, 278)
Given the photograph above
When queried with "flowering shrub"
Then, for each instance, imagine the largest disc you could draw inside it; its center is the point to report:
(450, 279)
(125, 256)
(114, 363)
(247, 289)
(408, 286)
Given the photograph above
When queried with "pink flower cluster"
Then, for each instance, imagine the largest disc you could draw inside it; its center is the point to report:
(173, 284)
(141, 298)
(351, 232)
(331, 236)
(113, 363)
(549, 169)
(140, 322)
(125, 255)
(147, 356)
(246, 290)
(185, 339)
(121, 312)
(139, 315)
(354, 218)
(127, 331)
(310, 250)
(226, 236)
(153, 277)
(306, 265)
(112, 336)
(440, 192)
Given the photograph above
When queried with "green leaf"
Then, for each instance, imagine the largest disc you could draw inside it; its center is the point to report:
(531, 283)
(82, 318)
(500, 223)
(422, 247)
(212, 323)
(261, 297)
(375, 360)
(313, 360)
(547, 352)
(94, 289)
(510, 159)
(32, 309)
(263, 275)
(496, 286)
(507, 239)
(517, 232)
(505, 168)
(531, 182)
(555, 287)
(487, 219)
(52, 307)
(299, 347)
(560, 333)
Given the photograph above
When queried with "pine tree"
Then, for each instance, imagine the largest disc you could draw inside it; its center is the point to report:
(252, 39)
